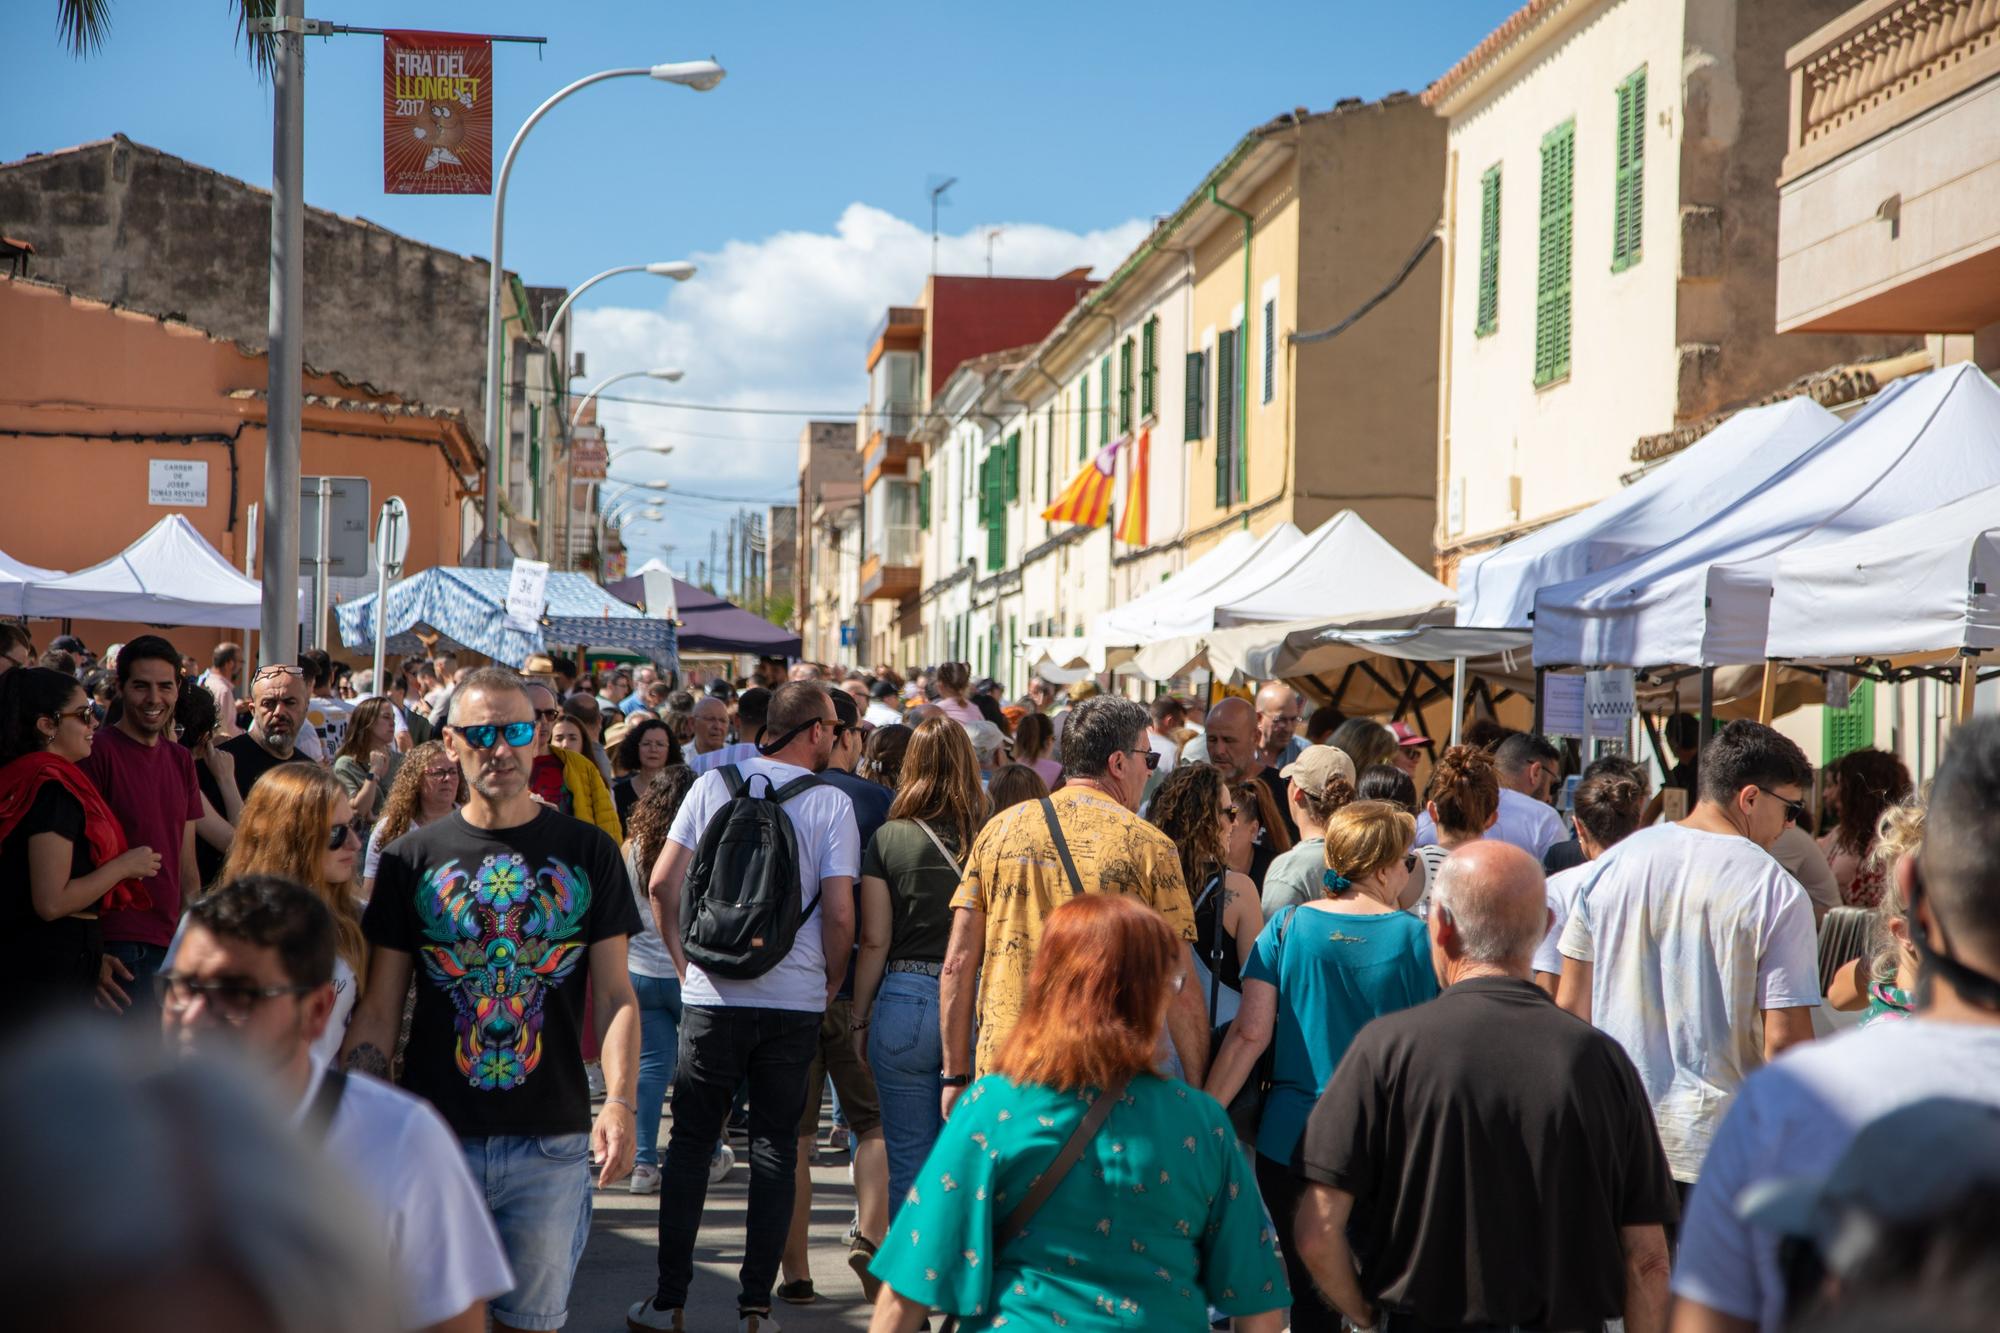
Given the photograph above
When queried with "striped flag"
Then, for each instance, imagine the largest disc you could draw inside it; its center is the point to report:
(1087, 499)
(1132, 527)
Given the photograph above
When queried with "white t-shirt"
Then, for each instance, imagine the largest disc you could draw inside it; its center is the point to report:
(1524, 822)
(645, 953)
(728, 754)
(1162, 747)
(404, 1162)
(1563, 886)
(881, 714)
(829, 844)
(329, 716)
(1692, 935)
(1795, 1119)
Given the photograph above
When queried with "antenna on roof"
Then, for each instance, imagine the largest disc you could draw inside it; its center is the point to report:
(991, 236)
(937, 196)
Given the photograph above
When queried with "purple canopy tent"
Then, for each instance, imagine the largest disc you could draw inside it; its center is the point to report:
(712, 624)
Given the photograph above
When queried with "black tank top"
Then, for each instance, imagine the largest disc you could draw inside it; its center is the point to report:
(1209, 936)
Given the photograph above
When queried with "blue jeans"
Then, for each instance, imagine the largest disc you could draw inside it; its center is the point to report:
(538, 1190)
(145, 961)
(659, 1051)
(907, 1056)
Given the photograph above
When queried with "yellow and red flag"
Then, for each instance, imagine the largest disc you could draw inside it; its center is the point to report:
(1132, 527)
(1087, 498)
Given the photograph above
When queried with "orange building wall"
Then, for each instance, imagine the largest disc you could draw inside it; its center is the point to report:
(71, 368)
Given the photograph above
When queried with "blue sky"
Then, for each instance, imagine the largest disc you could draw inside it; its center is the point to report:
(799, 184)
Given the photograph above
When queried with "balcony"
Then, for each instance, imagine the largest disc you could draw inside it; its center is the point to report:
(882, 582)
(1889, 197)
(883, 436)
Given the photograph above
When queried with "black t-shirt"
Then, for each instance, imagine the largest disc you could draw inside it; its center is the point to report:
(1494, 1146)
(871, 800)
(500, 923)
(208, 860)
(253, 761)
(48, 960)
(1561, 856)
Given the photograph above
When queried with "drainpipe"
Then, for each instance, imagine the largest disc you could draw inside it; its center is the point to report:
(1243, 351)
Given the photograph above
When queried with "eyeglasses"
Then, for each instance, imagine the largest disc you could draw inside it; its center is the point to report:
(1152, 758)
(1794, 810)
(441, 774)
(87, 714)
(278, 669)
(1410, 860)
(338, 835)
(1231, 813)
(547, 714)
(483, 735)
(235, 1001)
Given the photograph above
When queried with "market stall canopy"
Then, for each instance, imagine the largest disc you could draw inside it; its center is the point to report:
(1926, 583)
(1705, 599)
(650, 587)
(713, 624)
(15, 578)
(467, 608)
(1497, 588)
(170, 576)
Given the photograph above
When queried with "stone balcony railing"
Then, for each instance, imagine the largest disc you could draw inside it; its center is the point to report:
(1878, 65)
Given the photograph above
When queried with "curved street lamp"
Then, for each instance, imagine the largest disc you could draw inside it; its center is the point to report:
(680, 270)
(700, 75)
(670, 375)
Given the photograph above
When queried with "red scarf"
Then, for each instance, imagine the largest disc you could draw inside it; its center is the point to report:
(22, 779)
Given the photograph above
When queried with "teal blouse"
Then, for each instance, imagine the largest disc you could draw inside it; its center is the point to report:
(1159, 1219)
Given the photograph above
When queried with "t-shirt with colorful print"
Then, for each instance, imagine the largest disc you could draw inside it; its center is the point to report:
(500, 923)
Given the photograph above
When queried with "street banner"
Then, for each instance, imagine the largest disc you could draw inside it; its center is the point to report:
(437, 113)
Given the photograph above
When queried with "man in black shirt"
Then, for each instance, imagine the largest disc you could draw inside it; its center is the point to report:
(1485, 1159)
(277, 711)
(515, 911)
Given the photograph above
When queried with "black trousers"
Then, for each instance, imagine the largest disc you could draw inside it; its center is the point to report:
(770, 1052)
(1281, 1189)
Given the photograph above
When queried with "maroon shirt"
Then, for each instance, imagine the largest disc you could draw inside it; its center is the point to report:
(152, 790)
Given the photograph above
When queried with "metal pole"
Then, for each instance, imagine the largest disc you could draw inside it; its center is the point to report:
(1457, 698)
(381, 602)
(1540, 672)
(279, 567)
(322, 573)
(1707, 703)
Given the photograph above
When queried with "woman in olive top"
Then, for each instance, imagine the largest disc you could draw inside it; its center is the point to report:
(1158, 1221)
(1319, 973)
(908, 873)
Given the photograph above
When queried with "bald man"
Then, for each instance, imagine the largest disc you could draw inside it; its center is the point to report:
(1233, 747)
(1279, 711)
(1487, 1159)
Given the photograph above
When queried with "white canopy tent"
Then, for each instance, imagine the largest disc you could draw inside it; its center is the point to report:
(170, 576)
(1705, 599)
(16, 577)
(1923, 584)
(1497, 588)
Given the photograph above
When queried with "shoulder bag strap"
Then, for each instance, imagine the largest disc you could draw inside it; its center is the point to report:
(1062, 847)
(938, 843)
(1079, 1139)
(732, 778)
(794, 787)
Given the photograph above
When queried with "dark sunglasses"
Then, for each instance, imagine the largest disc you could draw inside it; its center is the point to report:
(338, 835)
(86, 714)
(547, 714)
(233, 1000)
(1410, 860)
(483, 735)
(1794, 810)
(1152, 758)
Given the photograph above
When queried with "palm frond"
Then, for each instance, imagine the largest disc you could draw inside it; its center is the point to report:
(83, 24)
(261, 46)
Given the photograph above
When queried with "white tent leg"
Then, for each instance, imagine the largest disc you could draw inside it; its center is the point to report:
(1457, 698)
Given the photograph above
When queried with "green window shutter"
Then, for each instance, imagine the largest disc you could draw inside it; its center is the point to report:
(1845, 730)
(1011, 488)
(924, 502)
(1629, 188)
(1196, 424)
(1488, 317)
(1083, 417)
(1225, 417)
(1125, 386)
(1104, 400)
(1270, 349)
(1149, 366)
(1557, 241)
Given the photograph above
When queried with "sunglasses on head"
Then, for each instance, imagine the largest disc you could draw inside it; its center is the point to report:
(483, 735)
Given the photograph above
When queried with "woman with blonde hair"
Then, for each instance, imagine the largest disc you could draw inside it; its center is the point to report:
(909, 871)
(428, 786)
(1145, 1215)
(299, 824)
(1320, 972)
(1884, 980)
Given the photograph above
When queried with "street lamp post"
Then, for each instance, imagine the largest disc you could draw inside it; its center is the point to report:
(700, 75)
(569, 475)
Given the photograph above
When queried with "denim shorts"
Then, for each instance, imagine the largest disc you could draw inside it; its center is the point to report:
(538, 1190)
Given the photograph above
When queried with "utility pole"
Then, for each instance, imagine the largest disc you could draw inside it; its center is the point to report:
(937, 194)
(279, 566)
(708, 570)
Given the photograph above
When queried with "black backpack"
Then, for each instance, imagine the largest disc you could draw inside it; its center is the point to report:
(740, 905)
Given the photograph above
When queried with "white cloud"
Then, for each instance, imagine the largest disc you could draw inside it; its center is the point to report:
(783, 322)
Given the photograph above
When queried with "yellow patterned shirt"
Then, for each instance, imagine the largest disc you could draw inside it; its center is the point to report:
(1016, 878)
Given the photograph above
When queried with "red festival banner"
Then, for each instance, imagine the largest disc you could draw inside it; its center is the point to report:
(437, 113)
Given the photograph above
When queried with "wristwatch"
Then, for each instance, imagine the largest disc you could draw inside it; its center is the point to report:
(955, 1080)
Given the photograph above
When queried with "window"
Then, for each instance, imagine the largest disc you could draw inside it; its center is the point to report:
(1125, 387)
(1011, 487)
(1552, 272)
(1629, 187)
(1149, 367)
(1083, 417)
(1270, 349)
(1225, 417)
(1104, 401)
(1488, 317)
(1196, 425)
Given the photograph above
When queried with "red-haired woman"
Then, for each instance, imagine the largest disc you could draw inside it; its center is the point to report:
(1158, 1220)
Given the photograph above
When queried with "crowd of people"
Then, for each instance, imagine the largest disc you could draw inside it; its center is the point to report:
(1337, 1050)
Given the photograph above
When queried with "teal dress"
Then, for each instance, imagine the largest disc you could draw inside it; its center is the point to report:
(1334, 973)
(1159, 1219)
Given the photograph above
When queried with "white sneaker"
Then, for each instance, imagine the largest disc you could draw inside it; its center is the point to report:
(645, 1179)
(643, 1318)
(719, 1167)
(756, 1321)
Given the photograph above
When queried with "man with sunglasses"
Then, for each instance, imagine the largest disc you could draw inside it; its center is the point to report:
(514, 911)
(253, 976)
(277, 712)
(1694, 948)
